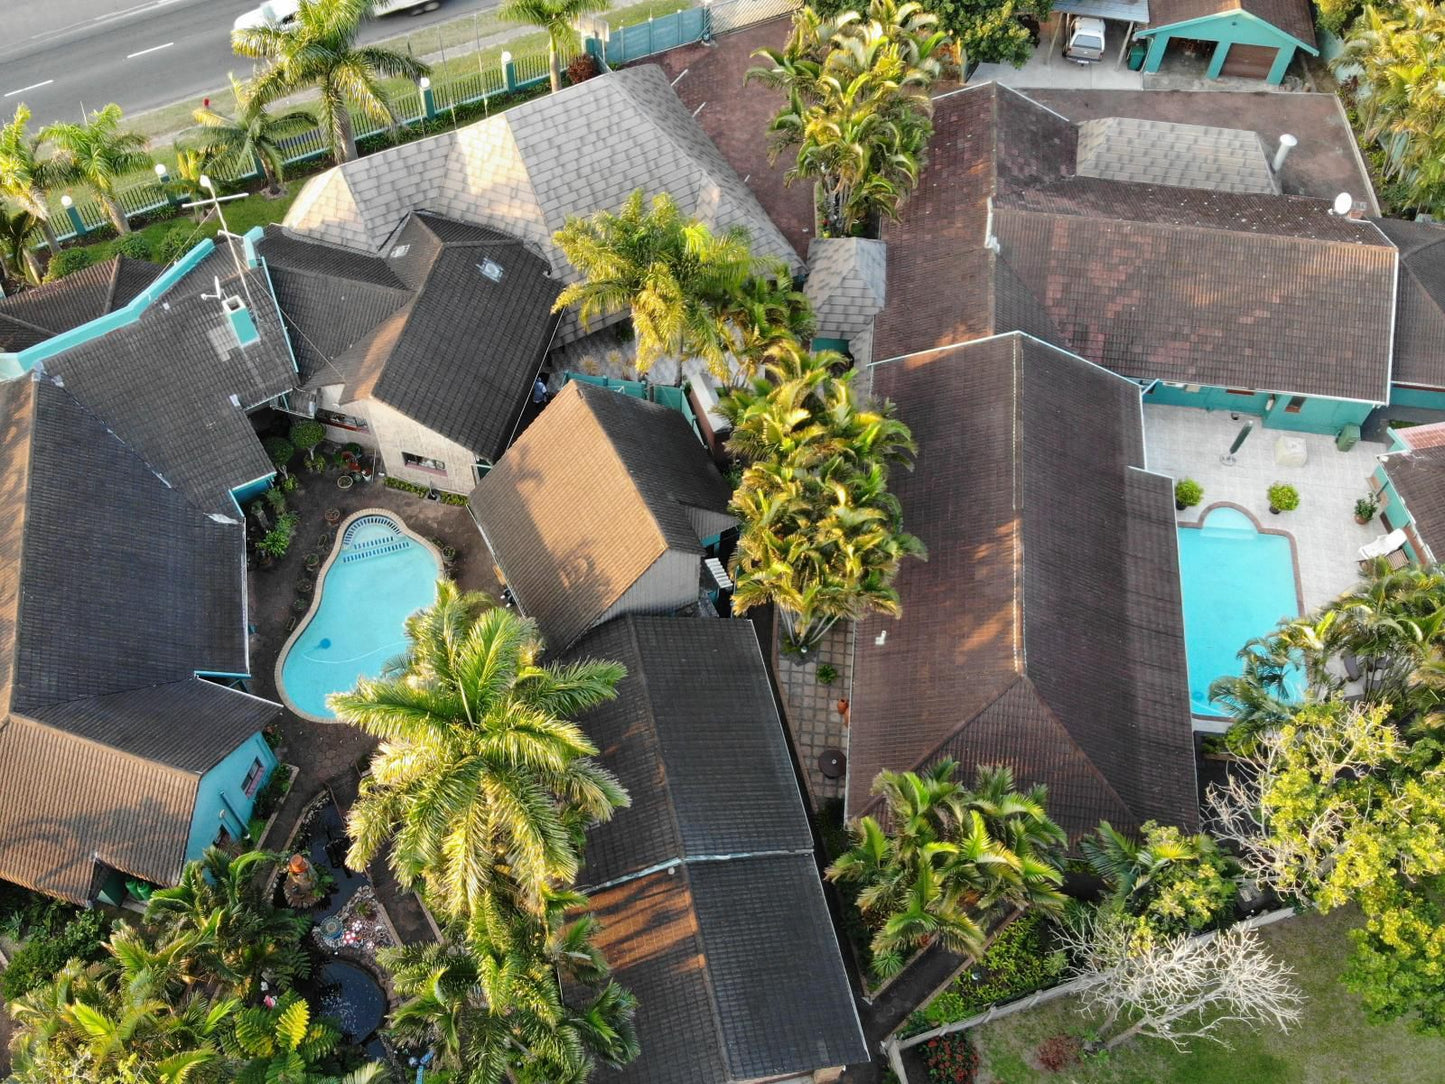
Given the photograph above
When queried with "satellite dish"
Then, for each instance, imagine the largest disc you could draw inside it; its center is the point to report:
(1344, 203)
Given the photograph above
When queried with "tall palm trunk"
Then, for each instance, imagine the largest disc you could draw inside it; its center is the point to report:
(554, 60)
(52, 242)
(338, 117)
(116, 212)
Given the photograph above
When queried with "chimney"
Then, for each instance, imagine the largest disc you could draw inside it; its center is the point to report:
(239, 317)
(1287, 143)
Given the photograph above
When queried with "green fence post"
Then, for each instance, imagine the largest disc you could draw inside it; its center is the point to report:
(509, 71)
(76, 222)
(163, 178)
(428, 98)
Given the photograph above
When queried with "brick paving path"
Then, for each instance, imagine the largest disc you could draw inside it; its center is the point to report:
(812, 708)
(736, 116)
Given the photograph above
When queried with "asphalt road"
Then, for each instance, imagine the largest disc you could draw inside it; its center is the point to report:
(62, 56)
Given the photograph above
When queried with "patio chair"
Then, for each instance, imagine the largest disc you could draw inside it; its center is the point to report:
(1389, 546)
(1351, 664)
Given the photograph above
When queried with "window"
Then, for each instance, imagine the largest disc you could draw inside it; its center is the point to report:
(252, 782)
(421, 462)
(1233, 391)
(1294, 404)
(342, 421)
(1385, 521)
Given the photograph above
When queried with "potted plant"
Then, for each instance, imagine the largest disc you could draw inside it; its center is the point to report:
(313, 561)
(1365, 509)
(827, 673)
(1283, 498)
(343, 481)
(1187, 493)
(333, 516)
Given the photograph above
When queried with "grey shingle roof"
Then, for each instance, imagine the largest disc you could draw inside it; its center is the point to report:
(595, 491)
(44, 312)
(421, 328)
(696, 739)
(847, 283)
(114, 591)
(524, 171)
(1182, 155)
(1044, 631)
(729, 948)
(175, 385)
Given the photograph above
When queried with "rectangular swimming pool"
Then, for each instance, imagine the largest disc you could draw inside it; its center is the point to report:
(1238, 583)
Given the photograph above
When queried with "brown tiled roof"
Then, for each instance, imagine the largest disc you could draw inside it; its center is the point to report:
(1291, 16)
(1045, 630)
(596, 491)
(1420, 309)
(1156, 281)
(1422, 436)
(35, 315)
(1419, 477)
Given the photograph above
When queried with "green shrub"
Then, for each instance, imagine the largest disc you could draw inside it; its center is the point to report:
(405, 486)
(1365, 508)
(827, 673)
(276, 498)
(1283, 498)
(68, 261)
(277, 541)
(281, 450)
(175, 244)
(1188, 493)
(45, 954)
(270, 797)
(24, 913)
(454, 498)
(306, 435)
(133, 246)
(1020, 960)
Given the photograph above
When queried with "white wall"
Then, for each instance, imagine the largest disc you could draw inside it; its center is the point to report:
(392, 432)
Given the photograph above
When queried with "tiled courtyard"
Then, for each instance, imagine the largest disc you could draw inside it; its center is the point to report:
(1187, 443)
(816, 713)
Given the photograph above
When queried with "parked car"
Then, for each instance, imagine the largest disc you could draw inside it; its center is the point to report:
(283, 12)
(1085, 43)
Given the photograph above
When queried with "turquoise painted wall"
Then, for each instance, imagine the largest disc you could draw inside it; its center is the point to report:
(1417, 397)
(1207, 398)
(1239, 28)
(1317, 415)
(220, 793)
(1393, 507)
(244, 493)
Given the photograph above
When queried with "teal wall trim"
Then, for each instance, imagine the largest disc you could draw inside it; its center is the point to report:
(220, 799)
(1227, 29)
(1425, 398)
(1315, 415)
(27, 359)
(1393, 510)
(244, 493)
(665, 394)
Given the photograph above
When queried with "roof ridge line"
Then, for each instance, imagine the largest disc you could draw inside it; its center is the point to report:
(622, 463)
(664, 783)
(114, 284)
(1069, 737)
(29, 717)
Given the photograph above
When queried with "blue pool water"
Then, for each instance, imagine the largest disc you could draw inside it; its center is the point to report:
(1237, 585)
(378, 579)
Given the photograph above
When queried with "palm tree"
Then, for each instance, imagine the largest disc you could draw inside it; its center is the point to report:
(253, 938)
(821, 534)
(282, 1044)
(558, 18)
(25, 179)
(1177, 883)
(492, 1005)
(949, 861)
(481, 783)
(249, 136)
(680, 281)
(858, 110)
(1392, 57)
(319, 50)
(19, 231)
(99, 156)
(132, 1013)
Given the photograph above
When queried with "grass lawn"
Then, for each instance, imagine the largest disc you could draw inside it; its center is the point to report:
(241, 215)
(1333, 1044)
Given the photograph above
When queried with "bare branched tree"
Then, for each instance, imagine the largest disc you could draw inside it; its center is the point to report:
(1179, 988)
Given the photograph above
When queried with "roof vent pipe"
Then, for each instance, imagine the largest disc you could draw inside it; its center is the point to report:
(1287, 143)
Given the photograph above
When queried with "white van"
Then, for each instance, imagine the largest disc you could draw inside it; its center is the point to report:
(283, 12)
(1085, 43)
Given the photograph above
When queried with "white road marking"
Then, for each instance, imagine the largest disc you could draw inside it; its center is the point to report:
(22, 90)
(152, 49)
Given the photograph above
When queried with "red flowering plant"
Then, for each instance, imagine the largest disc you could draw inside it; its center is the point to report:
(951, 1059)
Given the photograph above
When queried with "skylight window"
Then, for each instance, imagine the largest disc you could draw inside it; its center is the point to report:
(399, 251)
(492, 269)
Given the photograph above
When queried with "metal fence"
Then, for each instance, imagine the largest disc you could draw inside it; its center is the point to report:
(622, 45)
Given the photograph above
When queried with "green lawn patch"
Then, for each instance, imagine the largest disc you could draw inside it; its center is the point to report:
(1333, 1044)
(241, 215)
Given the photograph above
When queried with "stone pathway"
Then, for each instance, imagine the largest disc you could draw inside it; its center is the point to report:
(812, 709)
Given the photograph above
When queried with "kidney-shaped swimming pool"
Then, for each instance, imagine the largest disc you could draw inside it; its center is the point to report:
(378, 575)
(1238, 583)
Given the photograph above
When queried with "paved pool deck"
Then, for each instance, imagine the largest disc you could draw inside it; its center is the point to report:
(1184, 442)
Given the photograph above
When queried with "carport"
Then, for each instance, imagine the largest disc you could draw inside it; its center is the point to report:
(1254, 39)
(1129, 13)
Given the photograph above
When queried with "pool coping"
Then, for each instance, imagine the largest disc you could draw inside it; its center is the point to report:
(1299, 591)
(316, 594)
